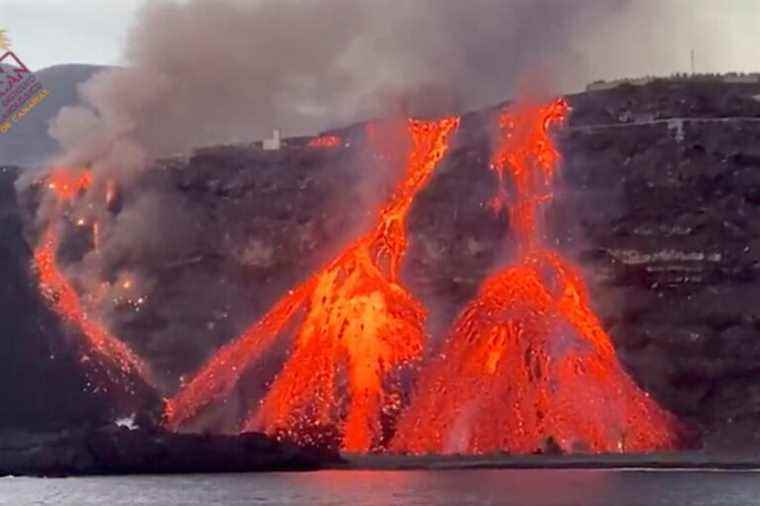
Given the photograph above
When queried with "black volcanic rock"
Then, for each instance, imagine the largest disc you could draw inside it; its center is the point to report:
(667, 231)
(119, 450)
(41, 382)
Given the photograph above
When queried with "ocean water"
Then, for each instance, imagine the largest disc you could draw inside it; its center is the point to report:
(402, 488)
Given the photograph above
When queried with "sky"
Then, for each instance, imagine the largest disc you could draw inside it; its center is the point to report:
(51, 32)
(725, 35)
(656, 37)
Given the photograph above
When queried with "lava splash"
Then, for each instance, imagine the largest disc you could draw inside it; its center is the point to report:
(528, 367)
(359, 327)
(120, 362)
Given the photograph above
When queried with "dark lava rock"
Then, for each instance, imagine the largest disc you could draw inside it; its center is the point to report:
(42, 386)
(119, 450)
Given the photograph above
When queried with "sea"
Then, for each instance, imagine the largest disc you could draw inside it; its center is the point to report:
(397, 488)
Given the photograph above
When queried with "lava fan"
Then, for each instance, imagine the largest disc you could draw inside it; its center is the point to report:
(119, 361)
(359, 327)
(528, 367)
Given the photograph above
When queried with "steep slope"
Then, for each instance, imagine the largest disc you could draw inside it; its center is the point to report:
(663, 217)
(43, 383)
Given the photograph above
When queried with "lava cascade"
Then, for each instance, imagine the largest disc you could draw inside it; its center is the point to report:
(114, 354)
(528, 367)
(359, 327)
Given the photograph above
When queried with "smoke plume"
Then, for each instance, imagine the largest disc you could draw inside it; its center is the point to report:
(210, 71)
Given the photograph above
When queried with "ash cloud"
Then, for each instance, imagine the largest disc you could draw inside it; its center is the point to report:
(210, 71)
(206, 72)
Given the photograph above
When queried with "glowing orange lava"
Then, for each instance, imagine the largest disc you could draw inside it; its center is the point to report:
(528, 366)
(359, 327)
(64, 299)
(68, 184)
(325, 141)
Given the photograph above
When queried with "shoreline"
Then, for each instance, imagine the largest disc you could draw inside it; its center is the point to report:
(118, 451)
(113, 450)
(686, 461)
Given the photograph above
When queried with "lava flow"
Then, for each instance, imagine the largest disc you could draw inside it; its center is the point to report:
(116, 355)
(325, 141)
(359, 327)
(528, 367)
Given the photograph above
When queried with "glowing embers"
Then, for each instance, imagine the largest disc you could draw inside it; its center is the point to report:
(116, 356)
(325, 141)
(359, 328)
(527, 158)
(528, 366)
(68, 184)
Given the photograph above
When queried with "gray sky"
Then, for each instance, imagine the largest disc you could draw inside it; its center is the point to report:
(51, 32)
(724, 33)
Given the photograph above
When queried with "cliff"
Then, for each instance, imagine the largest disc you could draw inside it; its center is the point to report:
(658, 201)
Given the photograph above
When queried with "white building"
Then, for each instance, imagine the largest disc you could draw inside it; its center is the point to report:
(274, 143)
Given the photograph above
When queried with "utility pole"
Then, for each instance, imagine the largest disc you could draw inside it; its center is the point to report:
(692, 62)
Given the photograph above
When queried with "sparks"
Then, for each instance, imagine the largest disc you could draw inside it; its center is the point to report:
(528, 363)
(68, 184)
(359, 326)
(64, 299)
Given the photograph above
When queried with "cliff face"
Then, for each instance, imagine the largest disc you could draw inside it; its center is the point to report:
(665, 222)
(42, 384)
(667, 231)
(661, 216)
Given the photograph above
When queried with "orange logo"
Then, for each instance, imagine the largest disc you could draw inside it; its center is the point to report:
(5, 42)
(20, 90)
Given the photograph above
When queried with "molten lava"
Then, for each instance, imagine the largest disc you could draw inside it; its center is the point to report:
(360, 326)
(66, 184)
(528, 365)
(325, 141)
(116, 355)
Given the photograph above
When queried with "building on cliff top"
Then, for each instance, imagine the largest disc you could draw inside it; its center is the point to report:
(273, 144)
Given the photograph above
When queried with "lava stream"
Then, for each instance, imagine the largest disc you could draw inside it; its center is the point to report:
(359, 327)
(65, 301)
(325, 141)
(528, 366)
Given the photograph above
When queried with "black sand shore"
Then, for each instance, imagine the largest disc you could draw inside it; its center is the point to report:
(114, 450)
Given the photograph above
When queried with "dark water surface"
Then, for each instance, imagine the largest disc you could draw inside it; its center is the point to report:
(382, 488)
